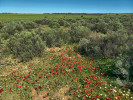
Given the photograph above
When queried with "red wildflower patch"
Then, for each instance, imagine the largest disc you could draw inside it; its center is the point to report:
(1, 89)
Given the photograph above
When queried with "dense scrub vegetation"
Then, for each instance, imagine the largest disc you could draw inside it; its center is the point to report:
(108, 39)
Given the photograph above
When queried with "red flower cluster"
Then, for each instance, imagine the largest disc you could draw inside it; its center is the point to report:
(1, 89)
(118, 97)
(108, 98)
(10, 89)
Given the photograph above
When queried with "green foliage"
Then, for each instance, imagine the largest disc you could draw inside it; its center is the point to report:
(124, 65)
(29, 25)
(4, 36)
(26, 45)
(44, 21)
(12, 27)
(66, 24)
(54, 37)
(83, 46)
(116, 46)
(1, 24)
(61, 22)
(100, 27)
(115, 26)
(54, 25)
(78, 32)
(112, 44)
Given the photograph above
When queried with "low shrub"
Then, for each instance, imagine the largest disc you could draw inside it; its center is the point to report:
(29, 24)
(26, 45)
(12, 27)
(77, 32)
(54, 25)
(4, 36)
(54, 37)
(1, 25)
(100, 27)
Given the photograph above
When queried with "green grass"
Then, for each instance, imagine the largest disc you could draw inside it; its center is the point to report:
(61, 73)
(9, 17)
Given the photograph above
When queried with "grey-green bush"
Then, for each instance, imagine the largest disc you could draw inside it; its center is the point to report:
(29, 24)
(54, 24)
(26, 45)
(1, 25)
(77, 32)
(12, 27)
(54, 37)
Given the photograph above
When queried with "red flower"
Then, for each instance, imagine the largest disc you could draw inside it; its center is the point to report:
(41, 86)
(17, 80)
(47, 75)
(86, 91)
(20, 76)
(125, 85)
(91, 89)
(84, 98)
(74, 93)
(15, 75)
(104, 81)
(89, 82)
(108, 98)
(102, 73)
(91, 75)
(110, 89)
(80, 92)
(1, 89)
(96, 84)
(78, 87)
(76, 79)
(118, 97)
(10, 89)
(88, 94)
(25, 89)
(93, 97)
(45, 96)
(41, 76)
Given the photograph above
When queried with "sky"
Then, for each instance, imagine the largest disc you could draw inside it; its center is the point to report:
(66, 6)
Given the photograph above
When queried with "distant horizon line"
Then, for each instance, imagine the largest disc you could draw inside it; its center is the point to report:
(62, 13)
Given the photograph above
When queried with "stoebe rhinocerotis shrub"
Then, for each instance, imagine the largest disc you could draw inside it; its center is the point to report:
(12, 27)
(77, 32)
(54, 37)
(26, 45)
(29, 24)
(116, 46)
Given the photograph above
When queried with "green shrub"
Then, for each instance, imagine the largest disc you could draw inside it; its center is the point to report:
(100, 27)
(116, 46)
(54, 37)
(44, 21)
(115, 26)
(19, 27)
(1, 25)
(83, 46)
(61, 22)
(26, 45)
(78, 32)
(29, 25)
(9, 28)
(66, 24)
(12, 27)
(4, 36)
(124, 66)
(54, 25)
